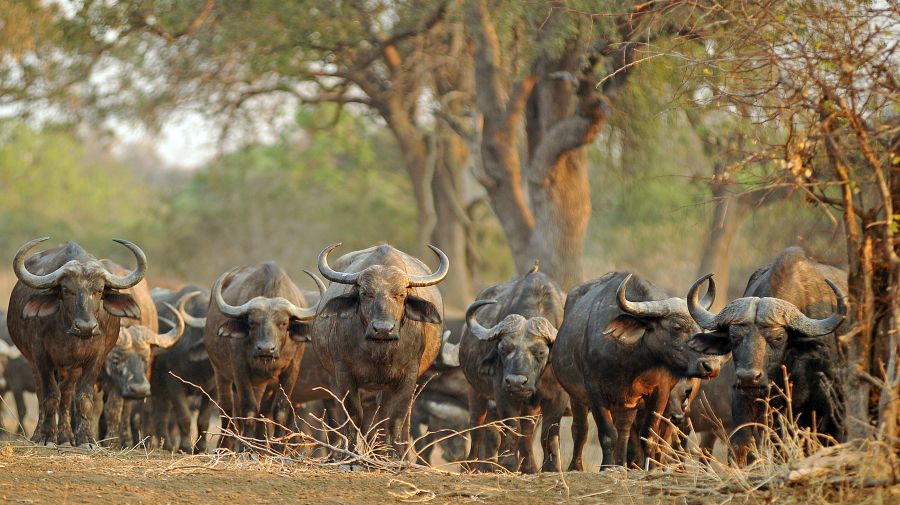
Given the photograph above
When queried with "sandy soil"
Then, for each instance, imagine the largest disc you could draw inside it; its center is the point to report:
(38, 475)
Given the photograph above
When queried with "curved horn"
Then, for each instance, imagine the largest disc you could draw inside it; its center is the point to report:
(228, 310)
(171, 337)
(332, 275)
(136, 275)
(29, 279)
(705, 318)
(449, 351)
(301, 313)
(818, 327)
(319, 284)
(192, 321)
(421, 281)
(475, 328)
(653, 308)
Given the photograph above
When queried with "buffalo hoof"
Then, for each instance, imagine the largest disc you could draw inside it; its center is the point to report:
(91, 446)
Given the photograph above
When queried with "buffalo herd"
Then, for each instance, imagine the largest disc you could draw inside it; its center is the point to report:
(113, 362)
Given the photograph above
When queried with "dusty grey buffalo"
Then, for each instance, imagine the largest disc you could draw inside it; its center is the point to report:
(507, 362)
(623, 340)
(379, 328)
(177, 374)
(787, 317)
(256, 324)
(64, 316)
(124, 379)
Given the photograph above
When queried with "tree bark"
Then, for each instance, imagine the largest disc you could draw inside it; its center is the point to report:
(563, 114)
(451, 230)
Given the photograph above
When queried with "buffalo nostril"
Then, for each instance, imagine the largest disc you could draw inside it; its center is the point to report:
(383, 326)
(515, 380)
(751, 377)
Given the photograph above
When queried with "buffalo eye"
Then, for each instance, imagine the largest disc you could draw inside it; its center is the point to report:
(504, 348)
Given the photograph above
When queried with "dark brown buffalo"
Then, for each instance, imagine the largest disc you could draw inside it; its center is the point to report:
(64, 316)
(623, 340)
(255, 328)
(788, 317)
(379, 328)
(177, 374)
(508, 363)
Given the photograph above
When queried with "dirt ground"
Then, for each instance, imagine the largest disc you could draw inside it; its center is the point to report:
(39, 475)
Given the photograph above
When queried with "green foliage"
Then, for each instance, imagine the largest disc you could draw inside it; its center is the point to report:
(51, 184)
(286, 201)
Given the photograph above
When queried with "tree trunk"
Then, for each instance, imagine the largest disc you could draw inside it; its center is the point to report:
(563, 114)
(716, 259)
(450, 233)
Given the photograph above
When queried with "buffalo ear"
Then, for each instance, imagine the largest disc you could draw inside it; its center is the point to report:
(489, 362)
(804, 343)
(420, 309)
(714, 342)
(626, 329)
(121, 305)
(40, 305)
(342, 306)
(233, 328)
(300, 331)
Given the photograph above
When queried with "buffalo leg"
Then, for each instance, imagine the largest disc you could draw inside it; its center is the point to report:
(207, 408)
(478, 407)
(526, 458)
(624, 420)
(509, 437)
(160, 410)
(67, 383)
(248, 401)
(352, 406)
(21, 410)
(86, 415)
(48, 401)
(579, 434)
(552, 410)
(112, 414)
(396, 405)
(182, 414)
(606, 431)
(651, 431)
(226, 403)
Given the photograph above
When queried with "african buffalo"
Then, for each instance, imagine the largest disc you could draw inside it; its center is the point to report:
(508, 362)
(64, 316)
(256, 323)
(379, 328)
(125, 374)
(788, 317)
(623, 339)
(177, 374)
